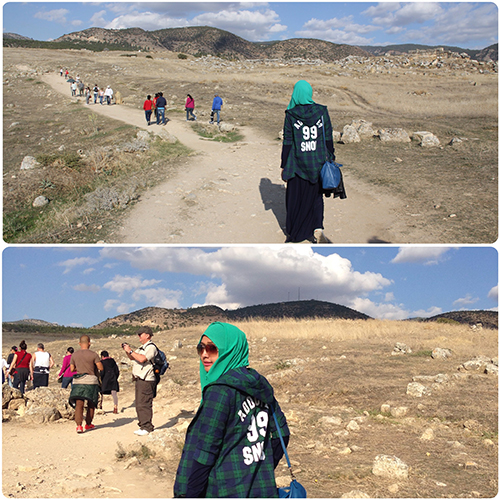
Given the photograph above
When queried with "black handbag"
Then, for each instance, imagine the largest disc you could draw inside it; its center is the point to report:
(330, 171)
(295, 490)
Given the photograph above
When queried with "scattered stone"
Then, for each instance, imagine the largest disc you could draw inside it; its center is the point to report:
(400, 348)
(393, 488)
(330, 421)
(427, 139)
(349, 135)
(353, 426)
(355, 494)
(440, 353)
(40, 201)
(394, 135)
(390, 467)
(226, 127)
(428, 435)
(29, 162)
(399, 412)
(166, 136)
(385, 408)
(416, 390)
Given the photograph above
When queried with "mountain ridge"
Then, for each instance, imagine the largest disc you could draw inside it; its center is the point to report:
(206, 40)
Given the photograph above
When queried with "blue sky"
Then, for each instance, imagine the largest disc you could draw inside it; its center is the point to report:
(472, 25)
(82, 286)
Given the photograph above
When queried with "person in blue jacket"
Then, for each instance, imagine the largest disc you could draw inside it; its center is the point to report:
(232, 445)
(216, 107)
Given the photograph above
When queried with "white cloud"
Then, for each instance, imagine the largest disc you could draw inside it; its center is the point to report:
(118, 306)
(76, 325)
(86, 288)
(337, 30)
(70, 264)
(56, 15)
(379, 311)
(120, 284)
(159, 297)
(493, 293)
(465, 301)
(89, 270)
(426, 313)
(397, 14)
(426, 255)
(98, 19)
(245, 276)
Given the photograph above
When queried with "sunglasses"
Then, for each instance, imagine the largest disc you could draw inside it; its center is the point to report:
(210, 348)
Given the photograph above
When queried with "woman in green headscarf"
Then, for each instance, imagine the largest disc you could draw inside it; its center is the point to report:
(232, 445)
(307, 142)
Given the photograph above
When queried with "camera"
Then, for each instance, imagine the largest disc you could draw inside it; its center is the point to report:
(124, 344)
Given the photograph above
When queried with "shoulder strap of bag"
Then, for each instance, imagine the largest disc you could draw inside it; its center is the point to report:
(283, 445)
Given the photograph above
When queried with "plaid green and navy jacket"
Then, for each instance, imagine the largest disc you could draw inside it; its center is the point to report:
(303, 130)
(231, 433)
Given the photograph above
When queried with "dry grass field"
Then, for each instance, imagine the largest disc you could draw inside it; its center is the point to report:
(326, 375)
(449, 192)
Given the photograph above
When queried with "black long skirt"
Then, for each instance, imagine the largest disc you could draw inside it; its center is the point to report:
(304, 209)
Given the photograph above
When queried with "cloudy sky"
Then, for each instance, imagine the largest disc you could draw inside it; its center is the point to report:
(472, 25)
(82, 286)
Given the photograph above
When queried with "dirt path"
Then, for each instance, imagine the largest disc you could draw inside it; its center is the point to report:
(233, 193)
(56, 462)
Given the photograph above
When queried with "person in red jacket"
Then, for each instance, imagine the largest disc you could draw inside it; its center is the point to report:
(21, 364)
(190, 107)
(148, 108)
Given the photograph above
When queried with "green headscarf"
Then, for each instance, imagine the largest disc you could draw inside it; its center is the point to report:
(302, 94)
(233, 351)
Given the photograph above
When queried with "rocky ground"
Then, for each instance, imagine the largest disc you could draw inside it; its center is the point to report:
(408, 174)
(412, 414)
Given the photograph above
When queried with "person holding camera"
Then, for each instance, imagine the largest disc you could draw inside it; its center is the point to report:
(144, 377)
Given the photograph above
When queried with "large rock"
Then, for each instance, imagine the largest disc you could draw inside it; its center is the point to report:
(441, 353)
(29, 162)
(54, 399)
(9, 394)
(226, 127)
(364, 128)
(416, 390)
(390, 467)
(427, 139)
(350, 135)
(40, 201)
(166, 136)
(394, 135)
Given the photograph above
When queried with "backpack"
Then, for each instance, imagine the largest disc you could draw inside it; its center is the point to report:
(160, 363)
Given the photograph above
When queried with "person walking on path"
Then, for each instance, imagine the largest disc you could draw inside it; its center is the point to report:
(148, 108)
(65, 372)
(108, 94)
(101, 96)
(216, 108)
(95, 90)
(161, 104)
(10, 357)
(41, 363)
(85, 386)
(304, 152)
(190, 108)
(232, 445)
(145, 380)
(21, 365)
(110, 376)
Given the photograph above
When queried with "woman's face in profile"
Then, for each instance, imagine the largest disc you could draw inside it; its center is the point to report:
(208, 352)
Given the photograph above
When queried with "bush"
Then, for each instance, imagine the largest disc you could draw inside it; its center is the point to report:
(182, 56)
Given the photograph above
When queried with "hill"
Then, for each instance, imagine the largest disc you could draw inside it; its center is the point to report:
(488, 319)
(158, 317)
(487, 54)
(205, 40)
(33, 322)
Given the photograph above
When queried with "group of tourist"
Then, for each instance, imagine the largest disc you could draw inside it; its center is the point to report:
(21, 367)
(158, 104)
(239, 433)
(77, 87)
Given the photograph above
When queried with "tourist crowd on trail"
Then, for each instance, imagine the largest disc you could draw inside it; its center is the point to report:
(238, 435)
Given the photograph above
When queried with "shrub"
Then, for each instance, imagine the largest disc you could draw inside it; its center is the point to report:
(182, 56)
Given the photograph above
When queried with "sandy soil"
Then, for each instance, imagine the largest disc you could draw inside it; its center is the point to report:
(233, 193)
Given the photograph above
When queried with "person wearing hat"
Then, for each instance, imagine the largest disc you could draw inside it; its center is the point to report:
(144, 377)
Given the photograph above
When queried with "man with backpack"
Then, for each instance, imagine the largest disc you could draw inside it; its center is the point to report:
(143, 371)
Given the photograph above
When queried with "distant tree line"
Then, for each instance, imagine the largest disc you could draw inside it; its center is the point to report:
(68, 330)
(73, 44)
